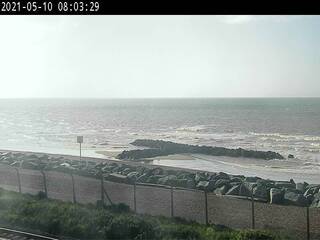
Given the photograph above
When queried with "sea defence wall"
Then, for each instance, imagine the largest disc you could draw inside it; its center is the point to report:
(195, 205)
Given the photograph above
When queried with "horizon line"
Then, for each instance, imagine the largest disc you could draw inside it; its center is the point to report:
(132, 98)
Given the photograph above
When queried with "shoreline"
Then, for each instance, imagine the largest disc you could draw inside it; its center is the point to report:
(188, 162)
(277, 191)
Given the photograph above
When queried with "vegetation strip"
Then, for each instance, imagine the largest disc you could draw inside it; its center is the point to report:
(98, 222)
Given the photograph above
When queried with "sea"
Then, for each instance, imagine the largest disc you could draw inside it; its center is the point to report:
(284, 125)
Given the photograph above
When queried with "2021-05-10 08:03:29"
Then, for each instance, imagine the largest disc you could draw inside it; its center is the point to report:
(60, 6)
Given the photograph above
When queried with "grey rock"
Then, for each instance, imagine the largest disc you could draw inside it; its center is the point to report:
(293, 198)
(132, 176)
(142, 178)
(115, 177)
(126, 171)
(168, 180)
(276, 196)
(316, 200)
(200, 177)
(191, 184)
(221, 182)
(252, 179)
(245, 190)
(234, 190)
(205, 185)
(261, 191)
(222, 190)
(285, 184)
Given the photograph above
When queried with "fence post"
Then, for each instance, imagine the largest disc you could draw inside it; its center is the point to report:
(206, 206)
(102, 189)
(19, 181)
(44, 183)
(252, 210)
(172, 213)
(73, 190)
(134, 198)
(308, 224)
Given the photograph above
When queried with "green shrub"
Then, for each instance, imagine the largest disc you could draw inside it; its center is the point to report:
(130, 227)
(107, 222)
(253, 235)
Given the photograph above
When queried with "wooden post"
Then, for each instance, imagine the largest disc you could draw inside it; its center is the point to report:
(308, 224)
(19, 181)
(172, 207)
(206, 206)
(134, 198)
(73, 190)
(252, 210)
(102, 189)
(44, 183)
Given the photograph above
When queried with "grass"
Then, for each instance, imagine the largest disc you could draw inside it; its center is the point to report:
(40, 215)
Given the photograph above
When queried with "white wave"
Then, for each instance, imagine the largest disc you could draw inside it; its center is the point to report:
(285, 137)
(197, 128)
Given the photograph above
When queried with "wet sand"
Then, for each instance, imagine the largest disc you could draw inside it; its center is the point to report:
(272, 169)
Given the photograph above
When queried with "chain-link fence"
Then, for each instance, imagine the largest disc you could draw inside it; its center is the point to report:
(199, 206)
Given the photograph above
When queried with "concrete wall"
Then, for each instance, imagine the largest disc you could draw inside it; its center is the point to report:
(8, 178)
(286, 219)
(228, 211)
(88, 190)
(189, 205)
(59, 186)
(32, 181)
(153, 200)
(314, 219)
(120, 193)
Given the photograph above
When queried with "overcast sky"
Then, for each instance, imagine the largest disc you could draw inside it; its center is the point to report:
(159, 56)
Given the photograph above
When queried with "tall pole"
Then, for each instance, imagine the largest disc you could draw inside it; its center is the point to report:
(80, 141)
(80, 152)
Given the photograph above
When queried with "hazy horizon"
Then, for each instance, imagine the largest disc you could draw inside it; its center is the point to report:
(160, 56)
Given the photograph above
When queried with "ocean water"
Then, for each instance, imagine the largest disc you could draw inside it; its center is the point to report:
(285, 125)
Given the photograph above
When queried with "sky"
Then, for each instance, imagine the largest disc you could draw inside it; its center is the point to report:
(159, 56)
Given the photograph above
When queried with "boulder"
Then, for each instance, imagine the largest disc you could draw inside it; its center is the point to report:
(199, 177)
(290, 156)
(191, 184)
(157, 171)
(132, 177)
(301, 187)
(222, 190)
(221, 175)
(154, 178)
(285, 184)
(261, 191)
(235, 180)
(142, 178)
(276, 196)
(245, 190)
(294, 198)
(233, 190)
(205, 185)
(316, 200)
(115, 177)
(126, 171)
(252, 179)
(312, 190)
(183, 183)
(221, 182)
(167, 180)
(310, 198)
